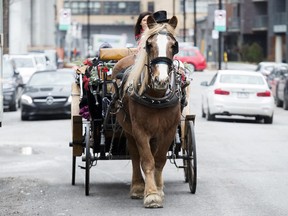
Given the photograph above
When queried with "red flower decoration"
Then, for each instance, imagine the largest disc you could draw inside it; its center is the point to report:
(88, 62)
(105, 69)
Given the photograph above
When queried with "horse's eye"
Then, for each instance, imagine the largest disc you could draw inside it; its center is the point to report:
(148, 47)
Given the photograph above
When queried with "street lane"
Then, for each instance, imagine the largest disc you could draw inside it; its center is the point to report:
(242, 170)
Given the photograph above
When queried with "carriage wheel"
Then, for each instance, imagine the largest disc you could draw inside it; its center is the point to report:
(73, 169)
(190, 163)
(87, 159)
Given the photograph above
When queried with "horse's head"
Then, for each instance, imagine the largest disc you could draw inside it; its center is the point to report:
(161, 46)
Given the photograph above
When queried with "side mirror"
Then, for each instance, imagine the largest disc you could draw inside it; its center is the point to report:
(22, 85)
(16, 72)
(204, 83)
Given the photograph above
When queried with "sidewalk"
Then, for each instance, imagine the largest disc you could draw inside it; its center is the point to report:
(231, 65)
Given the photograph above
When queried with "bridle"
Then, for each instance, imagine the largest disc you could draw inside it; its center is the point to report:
(161, 59)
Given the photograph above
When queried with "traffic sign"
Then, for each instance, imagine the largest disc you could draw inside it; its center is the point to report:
(65, 19)
(220, 20)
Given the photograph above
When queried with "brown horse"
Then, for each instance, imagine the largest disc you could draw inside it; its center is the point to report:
(149, 110)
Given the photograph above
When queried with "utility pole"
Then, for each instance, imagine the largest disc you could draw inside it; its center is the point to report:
(173, 7)
(184, 18)
(195, 24)
(220, 41)
(88, 27)
(1, 53)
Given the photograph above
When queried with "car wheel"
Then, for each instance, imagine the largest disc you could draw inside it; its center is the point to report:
(203, 113)
(285, 104)
(24, 117)
(258, 118)
(278, 102)
(210, 117)
(268, 119)
(14, 105)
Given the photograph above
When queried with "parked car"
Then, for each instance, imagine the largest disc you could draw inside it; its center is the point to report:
(281, 98)
(274, 76)
(236, 92)
(43, 59)
(192, 56)
(266, 68)
(26, 65)
(47, 93)
(12, 86)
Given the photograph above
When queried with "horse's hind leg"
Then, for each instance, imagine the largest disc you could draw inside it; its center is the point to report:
(137, 184)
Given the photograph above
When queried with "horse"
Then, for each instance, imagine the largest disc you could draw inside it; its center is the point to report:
(149, 110)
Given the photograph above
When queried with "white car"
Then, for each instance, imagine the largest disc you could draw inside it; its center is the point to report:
(267, 67)
(236, 92)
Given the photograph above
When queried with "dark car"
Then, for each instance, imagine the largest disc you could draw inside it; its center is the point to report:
(281, 98)
(274, 76)
(47, 93)
(12, 86)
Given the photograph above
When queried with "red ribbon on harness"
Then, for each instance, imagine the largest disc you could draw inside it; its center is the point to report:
(86, 81)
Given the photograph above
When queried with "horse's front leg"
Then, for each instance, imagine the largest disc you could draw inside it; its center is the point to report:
(152, 199)
(137, 184)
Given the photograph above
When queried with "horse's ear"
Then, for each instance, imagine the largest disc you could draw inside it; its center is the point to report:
(151, 22)
(173, 22)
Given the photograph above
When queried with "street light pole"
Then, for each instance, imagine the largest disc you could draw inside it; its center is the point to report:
(195, 24)
(220, 41)
(88, 27)
(184, 23)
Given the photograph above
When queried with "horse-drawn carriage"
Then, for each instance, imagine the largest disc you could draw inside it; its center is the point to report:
(141, 115)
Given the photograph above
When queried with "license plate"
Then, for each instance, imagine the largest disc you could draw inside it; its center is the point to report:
(242, 94)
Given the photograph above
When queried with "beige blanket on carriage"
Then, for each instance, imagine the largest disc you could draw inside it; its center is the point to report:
(116, 54)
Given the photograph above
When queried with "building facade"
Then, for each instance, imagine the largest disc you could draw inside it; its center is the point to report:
(114, 17)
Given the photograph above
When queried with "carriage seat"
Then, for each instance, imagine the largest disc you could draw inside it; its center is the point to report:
(115, 54)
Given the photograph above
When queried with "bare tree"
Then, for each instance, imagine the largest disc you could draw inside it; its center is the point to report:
(6, 4)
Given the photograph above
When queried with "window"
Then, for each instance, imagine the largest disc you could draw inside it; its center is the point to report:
(151, 6)
(104, 7)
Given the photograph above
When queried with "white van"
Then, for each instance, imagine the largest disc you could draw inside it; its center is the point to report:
(27, 64)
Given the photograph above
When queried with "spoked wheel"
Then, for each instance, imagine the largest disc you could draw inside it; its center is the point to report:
(87, 159)
(190, 158)
(73, 169)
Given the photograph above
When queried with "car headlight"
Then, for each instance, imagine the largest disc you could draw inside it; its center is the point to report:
(26, 99)
(70, 99)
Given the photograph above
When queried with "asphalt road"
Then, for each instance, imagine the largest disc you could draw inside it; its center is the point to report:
(242, 170)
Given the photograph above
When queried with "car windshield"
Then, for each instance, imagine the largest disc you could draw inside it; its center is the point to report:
(241, 79)
(53, 78)
(186, 52)
(23, 62)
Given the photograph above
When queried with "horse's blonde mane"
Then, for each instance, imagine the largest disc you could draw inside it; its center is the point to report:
(141, 57)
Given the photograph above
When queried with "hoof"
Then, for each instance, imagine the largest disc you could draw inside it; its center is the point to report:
(137, 192)
(135, 195)
(153, 201)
